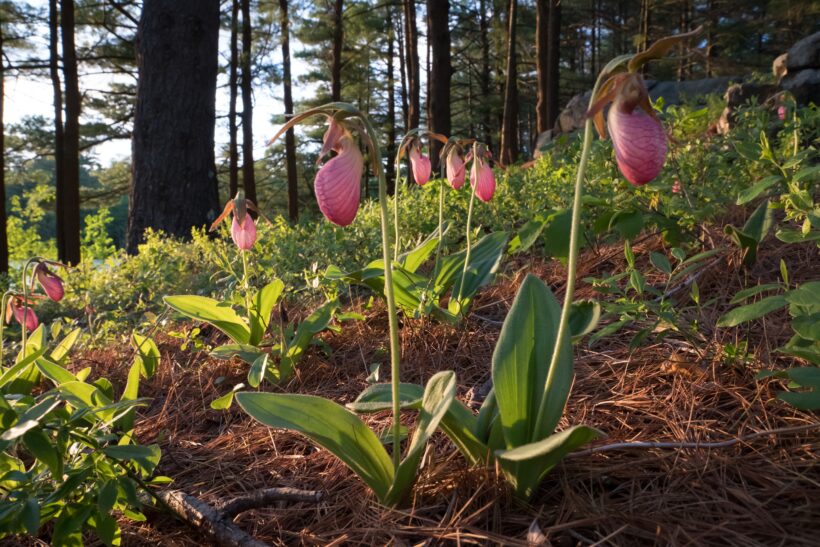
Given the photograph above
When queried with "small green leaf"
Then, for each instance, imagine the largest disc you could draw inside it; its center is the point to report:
(226, 400)
(661, 262)
(756, 189)
(751, 312)
(257, 371)
(39, 444)
(583, 318)
(148, 352)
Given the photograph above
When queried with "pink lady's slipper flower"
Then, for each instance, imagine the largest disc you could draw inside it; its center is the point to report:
(22, 313)
(420, 164)
(781, 112)
(482, 178)
(338, 181)
(243, 227)
(456, 169)
(52, 283)
(676, 187)
(637, 135)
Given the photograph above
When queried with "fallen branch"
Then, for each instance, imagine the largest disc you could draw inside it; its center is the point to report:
(695, 445)
(218, 522)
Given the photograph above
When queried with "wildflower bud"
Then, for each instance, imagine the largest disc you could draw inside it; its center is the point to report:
(676, 187)
(781, 112)
(52, 283)
(482, 179)
(455, 169)
(420, 164)
(244, 233)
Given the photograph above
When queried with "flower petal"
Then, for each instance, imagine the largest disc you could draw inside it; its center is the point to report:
(421, 166)
(25, 313)
(455, 169)
(244, 235)
(338, 184)
(640, 144)
(51, 282)
(483, 180)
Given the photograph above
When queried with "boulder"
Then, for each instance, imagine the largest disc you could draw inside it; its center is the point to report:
(574, 114)
(804, 54)
(675, 93)
(804, 85)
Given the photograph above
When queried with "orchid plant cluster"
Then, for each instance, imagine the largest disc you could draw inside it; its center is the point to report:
(532, 367)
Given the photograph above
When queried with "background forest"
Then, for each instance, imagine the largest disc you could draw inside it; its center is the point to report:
(499, 70)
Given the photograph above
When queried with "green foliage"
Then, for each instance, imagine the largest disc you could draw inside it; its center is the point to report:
(97, 244)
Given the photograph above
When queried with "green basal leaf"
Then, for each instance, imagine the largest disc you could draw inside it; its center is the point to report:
(330, 426)
(60, 353)
(756, 189)
(220, 315)
(438, 396)
(525, 466)
(148, 353)
(521, 361)
(262, 306)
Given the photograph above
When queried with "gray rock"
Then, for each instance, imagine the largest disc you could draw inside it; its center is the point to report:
(805, 53)
(804, 85)
(675, 93)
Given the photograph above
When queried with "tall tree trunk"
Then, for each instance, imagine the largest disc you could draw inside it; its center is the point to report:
(683, 47)
(542, 44)
(391, 105)
(4, 242)
(402, 75)
(233, 84)
(411, 47)
(484, 32)
(173, 176)
(509, 130)
(248, 174)
(57, 90)
(438, 33)
(338, 40)
(554, 64)
(290, 139)
(68, 200)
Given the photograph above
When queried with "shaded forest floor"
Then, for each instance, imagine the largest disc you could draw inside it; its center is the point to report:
(763, 490)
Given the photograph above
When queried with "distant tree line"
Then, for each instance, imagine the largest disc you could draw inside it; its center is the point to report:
(498, 70)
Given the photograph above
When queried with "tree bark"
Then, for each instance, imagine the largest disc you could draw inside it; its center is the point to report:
(248, 175)
(338, 40)
(438, 34)
(509, 130)
(173, 173)
(484, 30)
(290, 139)
(554, 64)
(233, 153)
(68, 199)
(411, 47)
(542, 26)
(4, 242)
(391, 105)
(402, 75)
(57, 90)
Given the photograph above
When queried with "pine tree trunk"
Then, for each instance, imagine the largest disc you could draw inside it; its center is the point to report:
(290, 139)
(57, 90)
(338, 40)
(68, 200)
(438, 31)
(509, 130)
(402, 75)
(233, 153)
(542, 44)
(554, 64)
(4, 242)
(484, 30)
(173, 185)
(248, 174)
(411, 40)
(391, 105)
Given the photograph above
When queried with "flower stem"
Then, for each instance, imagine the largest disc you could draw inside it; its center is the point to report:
(392, 318)
(469, 247)
(396, 189)
(245, 284)
(440, 224)
(572, 266)
(25, 302)
(6, 296)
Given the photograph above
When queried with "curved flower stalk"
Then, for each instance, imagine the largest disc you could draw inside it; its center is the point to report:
(331, 425)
